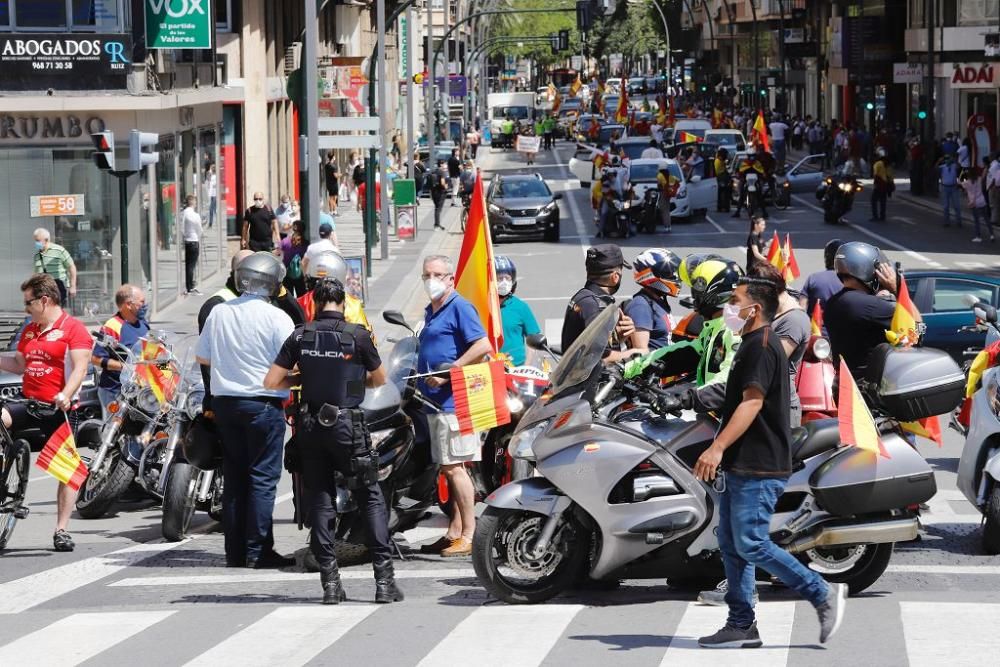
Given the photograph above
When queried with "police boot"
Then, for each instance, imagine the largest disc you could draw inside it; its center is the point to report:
(333, 590)
(386, 589)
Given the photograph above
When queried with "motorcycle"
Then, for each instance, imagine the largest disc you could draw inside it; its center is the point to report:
(649, 215)
(837, 196)
(814, 381)
(615, 501)
(620, 223)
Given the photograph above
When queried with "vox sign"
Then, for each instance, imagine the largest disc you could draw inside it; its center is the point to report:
(178, 24)
(974, 75)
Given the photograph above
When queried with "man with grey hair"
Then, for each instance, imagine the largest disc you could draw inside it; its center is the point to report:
(54, 260)
(125, 327)
(453, 335)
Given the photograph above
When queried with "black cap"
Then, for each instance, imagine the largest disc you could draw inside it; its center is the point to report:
(604, 258)
(325, 229)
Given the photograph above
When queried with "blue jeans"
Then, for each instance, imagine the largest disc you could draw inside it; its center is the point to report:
(253, 434)
(745, 510)
(778, 147)
(983, 213)
(949, 198)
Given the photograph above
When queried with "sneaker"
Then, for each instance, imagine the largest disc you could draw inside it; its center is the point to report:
(61, 541)
(195, 291)
(976, 239)
(831, 612)
(733, 637)
(460, 547)
(717, 597)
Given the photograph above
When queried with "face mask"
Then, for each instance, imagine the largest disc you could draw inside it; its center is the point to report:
(435, 288)
(731, 318)
(614, 289)
(142, 312)
(39, 245)
(505, 287)
(258, 203)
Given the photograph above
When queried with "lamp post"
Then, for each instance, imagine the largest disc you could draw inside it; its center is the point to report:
(756, 55)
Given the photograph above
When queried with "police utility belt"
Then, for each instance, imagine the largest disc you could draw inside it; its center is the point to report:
(363, 469)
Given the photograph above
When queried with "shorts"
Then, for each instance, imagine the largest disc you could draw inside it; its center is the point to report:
(24, 421)
(448, 446)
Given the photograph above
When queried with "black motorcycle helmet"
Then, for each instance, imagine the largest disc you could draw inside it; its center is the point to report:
(712, 283)
(830, 252)
(858, 260)
(202, 444)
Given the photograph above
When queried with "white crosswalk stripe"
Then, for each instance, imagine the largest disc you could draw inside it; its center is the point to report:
(77, 638)
(287, 636)
(775, 620)
(949, 633)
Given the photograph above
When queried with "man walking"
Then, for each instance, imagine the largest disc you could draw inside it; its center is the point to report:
(54, 260)
(125, 327)
(883, 186)
(260, 227)
(753, 451)
(454, 171)
(439, 192)
(192, 242)
(948, 170)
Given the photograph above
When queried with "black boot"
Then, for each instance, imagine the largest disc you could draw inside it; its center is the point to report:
(333, 590)
(386, 589)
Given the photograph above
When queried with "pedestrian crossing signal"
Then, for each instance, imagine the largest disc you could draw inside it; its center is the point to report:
(104, 156)
(922, 115)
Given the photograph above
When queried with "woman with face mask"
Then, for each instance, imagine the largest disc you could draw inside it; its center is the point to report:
(518, 320)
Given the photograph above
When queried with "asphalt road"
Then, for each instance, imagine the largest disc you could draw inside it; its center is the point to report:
(124, 595)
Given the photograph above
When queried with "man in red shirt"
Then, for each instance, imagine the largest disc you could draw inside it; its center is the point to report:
(53, 355)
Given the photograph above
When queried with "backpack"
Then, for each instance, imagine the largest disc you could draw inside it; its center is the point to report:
(295, 267)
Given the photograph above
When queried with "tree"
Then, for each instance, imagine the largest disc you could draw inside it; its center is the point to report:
(533, 25)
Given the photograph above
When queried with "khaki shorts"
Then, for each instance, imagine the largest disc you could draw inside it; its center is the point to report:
(448, 445)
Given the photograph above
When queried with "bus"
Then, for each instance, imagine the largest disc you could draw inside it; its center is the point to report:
(563, 76)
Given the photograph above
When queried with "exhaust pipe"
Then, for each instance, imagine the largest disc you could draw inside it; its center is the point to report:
(881, 532)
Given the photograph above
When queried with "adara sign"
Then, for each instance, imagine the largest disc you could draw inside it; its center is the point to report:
(974, 75)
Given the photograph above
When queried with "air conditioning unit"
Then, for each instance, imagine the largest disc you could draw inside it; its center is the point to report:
(293, 57)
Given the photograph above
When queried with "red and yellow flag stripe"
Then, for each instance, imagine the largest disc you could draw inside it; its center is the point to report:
(857, 426)
(60, 459)
(480, 392)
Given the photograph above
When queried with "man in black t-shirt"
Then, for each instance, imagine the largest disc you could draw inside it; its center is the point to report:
(454, 172)
(260, 227)
(754, 451)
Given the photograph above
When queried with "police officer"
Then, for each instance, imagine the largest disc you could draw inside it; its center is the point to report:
(336, 360)
(604, 278)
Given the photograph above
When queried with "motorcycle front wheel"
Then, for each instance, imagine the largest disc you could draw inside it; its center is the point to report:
(506, 569)
(100, 490)
(859, 565)
(991, 526)
(179, 500)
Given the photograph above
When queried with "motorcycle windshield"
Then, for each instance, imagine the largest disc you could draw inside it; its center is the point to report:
(584, 356)
(402, 362)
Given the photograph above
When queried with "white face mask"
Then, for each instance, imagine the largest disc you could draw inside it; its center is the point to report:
(505, 287)
(435, 288)
(731, 318)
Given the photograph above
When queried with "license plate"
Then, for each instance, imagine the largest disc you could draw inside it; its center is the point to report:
(520, 222)
(752, 188)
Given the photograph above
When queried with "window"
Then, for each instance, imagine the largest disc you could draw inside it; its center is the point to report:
(950, 295)
(4, 13)
(223, 15)
(40, 13)
(83, 15)
(97, 14)
(978, 12)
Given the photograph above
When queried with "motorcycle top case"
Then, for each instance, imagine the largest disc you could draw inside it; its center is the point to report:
(915, 383)
(857, 481)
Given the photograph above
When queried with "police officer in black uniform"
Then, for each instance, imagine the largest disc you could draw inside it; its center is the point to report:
(604, 278)
(336, 360)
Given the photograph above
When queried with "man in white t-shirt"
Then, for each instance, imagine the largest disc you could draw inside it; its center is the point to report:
(653, 152)
(327, 241)
(778, 128)
(192, 241)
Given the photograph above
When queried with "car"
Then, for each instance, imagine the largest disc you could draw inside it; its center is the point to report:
(698, 194)
(803, 177)
(636, 85)
(583, 124)
(940, 297)
(610, 104)
(692, 126)
(520, 205)
(731, 140)
(613, 86)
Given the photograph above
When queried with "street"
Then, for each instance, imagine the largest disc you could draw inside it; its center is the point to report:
(124, 595)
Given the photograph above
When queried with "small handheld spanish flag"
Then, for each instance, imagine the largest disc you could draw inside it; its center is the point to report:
(774, 252)
(857, 426)
(480, 392)
(903, 328)
(60, 459)
(817, 320)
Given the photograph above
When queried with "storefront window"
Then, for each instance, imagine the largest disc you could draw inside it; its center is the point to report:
(40, 13)
(4, 13)
(210, 258)
(167, 242)
(98, 14)
(62, 14)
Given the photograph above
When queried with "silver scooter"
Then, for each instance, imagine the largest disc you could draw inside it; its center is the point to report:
(979, 466)
(620, 500)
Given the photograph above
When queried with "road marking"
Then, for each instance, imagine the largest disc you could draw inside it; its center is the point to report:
(714, 224)
(949, 633)
(907, 221)
(971, 265)
(537, 629)
(286, 636)
(553, 330)
(277, 577)
(78, 638)
(982, 570)
(578, 219)
(774, 618)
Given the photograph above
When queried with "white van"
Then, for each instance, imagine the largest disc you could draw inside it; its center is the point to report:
(695, 126)
(519, 106)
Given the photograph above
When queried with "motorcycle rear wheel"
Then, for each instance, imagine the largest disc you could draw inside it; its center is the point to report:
(503, 533)
(991, 528)
(179, 500)
(845, 565)
(93, 504)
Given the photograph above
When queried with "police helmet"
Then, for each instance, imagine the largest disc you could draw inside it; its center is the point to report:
(691, 262)
(505, 266)
(858, 260)
(328, 264)
(261, 274)
(656, 269)
(202, 445)
(830, 251)
(712, 283)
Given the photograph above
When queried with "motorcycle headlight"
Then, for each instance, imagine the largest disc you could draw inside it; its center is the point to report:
(514, 404)
(521, 443)
(821, 349)
(846, 187)
(192, 406)
(147, 401)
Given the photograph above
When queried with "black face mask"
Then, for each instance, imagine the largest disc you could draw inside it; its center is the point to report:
(614, 288)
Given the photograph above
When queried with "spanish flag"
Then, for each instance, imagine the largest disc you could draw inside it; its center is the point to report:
(599, 97)
(60, 459)
(661, 105)
(480, 392)
(556, 102)
(903, 328)
(575, 87)
(670, 112)
(790, 270)
(601, 160)
(929, 428)
(162, 381)
(857, 427)
(758, 135)
(774, 252)
(621, 113)
(476, 277)
(817, 320)
(687, 138)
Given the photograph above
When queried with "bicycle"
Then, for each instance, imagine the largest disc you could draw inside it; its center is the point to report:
(15, 463)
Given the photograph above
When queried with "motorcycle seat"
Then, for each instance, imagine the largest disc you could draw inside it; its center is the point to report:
(814, 438)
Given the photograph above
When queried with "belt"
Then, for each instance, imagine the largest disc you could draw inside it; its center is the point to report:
(256, 399)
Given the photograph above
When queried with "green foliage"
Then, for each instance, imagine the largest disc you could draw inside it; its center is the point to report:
(534, 25)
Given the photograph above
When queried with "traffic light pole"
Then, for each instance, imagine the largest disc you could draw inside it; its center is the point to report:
(122, 177)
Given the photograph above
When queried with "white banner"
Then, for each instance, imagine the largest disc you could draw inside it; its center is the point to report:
(525, 144)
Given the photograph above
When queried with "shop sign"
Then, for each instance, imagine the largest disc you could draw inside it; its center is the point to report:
(43, 206)
(795, 35)
(907, 73)
(974, 75)
(61, 61)
(69, 126)
(178, 24)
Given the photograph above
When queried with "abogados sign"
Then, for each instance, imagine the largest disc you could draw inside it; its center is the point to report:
(61, 61)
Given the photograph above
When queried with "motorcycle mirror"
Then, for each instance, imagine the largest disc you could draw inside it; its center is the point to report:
(396, 317)
(970, 300)
(986, 313)
(536, 342)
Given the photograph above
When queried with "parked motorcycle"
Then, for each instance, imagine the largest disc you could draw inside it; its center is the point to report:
(649, 216)
(614, 501)
(837, 196)
(814, 381)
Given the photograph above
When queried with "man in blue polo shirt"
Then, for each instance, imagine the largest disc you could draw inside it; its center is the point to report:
(452, 334)
(126, 326)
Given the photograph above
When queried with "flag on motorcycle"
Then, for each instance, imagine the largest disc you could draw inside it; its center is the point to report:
(817, 320)
(621, 113)
(60, 459)
(929, 428)
(903, 328)
(162, 381)
(480, 396)
(475, 277)
(758, 135)
(857, 426)
(985, 360)
(575, 87)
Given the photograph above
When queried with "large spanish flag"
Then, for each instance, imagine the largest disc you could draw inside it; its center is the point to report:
(480, 392)
(476, 277)
(60, 459)
(857, 426)
(903, 329)
(621, 113)
(758, 135)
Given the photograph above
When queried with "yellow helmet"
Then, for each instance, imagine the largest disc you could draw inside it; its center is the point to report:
(712, 283)
(691, 262)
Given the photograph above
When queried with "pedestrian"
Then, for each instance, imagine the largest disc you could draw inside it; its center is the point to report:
(651, 152)
(948, 171)
(973, 186)
(755, 242)
(260, 227)
(752, 455)
(453, 334)
(668, 185)
(125, 327)
(336, 361)
(883, 184)
(396, 152)
(439, 192)
(327, 243)
(293, 252)
(192, 230)
(948, 145)
(454, 172)
(472, 138)
(284, 213)
(518, 320)
(54, 260)
(993, 189)
(778, 129)
(724, 181)
(822, 285)
(549, 130)
(240, 340)
(332, 174)
(964, 155)
(212, 190)
(52, 358)
(353, 164)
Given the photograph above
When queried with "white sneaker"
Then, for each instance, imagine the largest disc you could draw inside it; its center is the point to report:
(977, 240)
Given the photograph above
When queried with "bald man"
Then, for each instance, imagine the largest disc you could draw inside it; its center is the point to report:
(260, 227)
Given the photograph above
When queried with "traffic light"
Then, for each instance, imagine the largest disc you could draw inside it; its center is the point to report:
(137, 157)
(554, 42)
(564, 40)
(584, 19)
(870, 106)
(763, 92)
(922, 115)
(704, 88)
(104, 157)
(922, 107)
